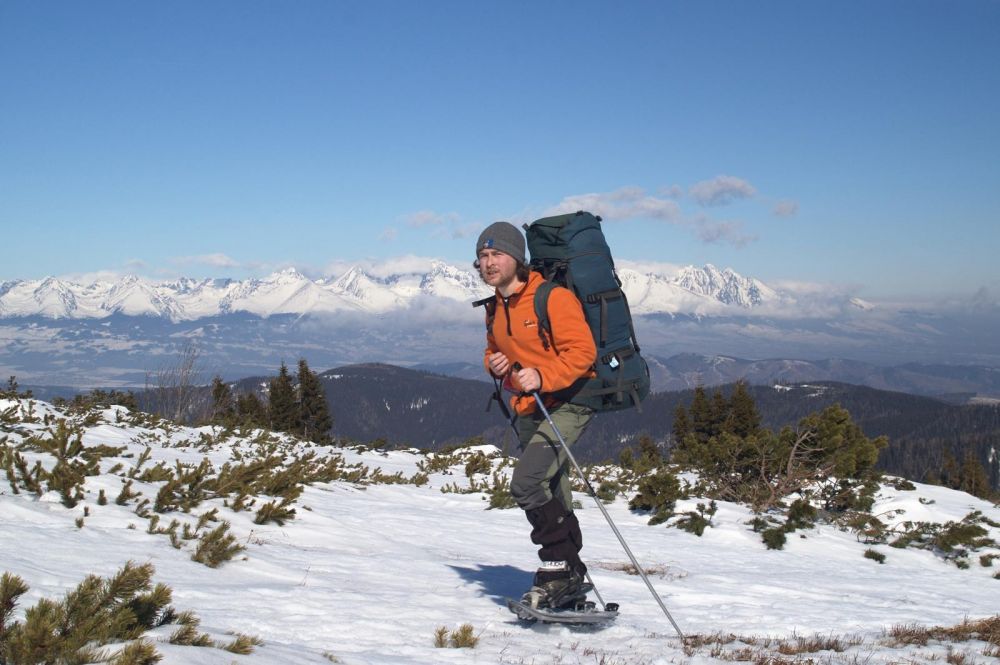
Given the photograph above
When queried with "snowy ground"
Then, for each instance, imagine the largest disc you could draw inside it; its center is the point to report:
(365, 573)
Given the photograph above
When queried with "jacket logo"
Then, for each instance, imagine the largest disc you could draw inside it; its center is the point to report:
(528, 323)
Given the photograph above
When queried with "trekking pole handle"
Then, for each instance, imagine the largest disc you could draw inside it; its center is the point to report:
(604, 511)
(517, 367)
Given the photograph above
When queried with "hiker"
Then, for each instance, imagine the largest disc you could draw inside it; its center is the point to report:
(527, 361)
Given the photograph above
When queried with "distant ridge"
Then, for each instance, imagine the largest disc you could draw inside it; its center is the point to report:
(694, 290)
(954, 383)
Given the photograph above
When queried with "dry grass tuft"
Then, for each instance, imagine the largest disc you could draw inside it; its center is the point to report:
(986, 630)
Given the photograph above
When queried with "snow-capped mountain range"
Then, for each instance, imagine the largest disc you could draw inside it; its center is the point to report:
(693, 290)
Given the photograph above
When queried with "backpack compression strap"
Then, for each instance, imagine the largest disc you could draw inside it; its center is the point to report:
(590, 388)
(542, 314)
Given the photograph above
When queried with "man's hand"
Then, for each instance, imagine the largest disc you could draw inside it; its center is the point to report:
(529, 379)
(499, 364)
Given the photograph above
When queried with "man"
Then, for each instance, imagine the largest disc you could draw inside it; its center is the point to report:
(555, 368)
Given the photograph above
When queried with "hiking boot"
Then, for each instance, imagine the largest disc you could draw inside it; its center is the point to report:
(555, 585)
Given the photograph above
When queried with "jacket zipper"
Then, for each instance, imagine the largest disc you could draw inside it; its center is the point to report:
(506, 313)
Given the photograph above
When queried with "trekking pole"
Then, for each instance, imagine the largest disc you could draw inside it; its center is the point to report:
(604, 511)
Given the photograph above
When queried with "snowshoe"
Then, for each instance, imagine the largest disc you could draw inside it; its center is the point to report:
(555, 585)
(582, 613)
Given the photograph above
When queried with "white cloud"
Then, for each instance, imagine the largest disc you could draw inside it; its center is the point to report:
(803, 288)
(92, 277)
(429, 218)
(721, 190)
(985, 298)
(671, 191)
(449, 225)
(645, 267)
(634, 203)
(389, 234)
(399, 265)
(467, 230)
(216, 260)
(621, 204)
(785, 208)
(730, 233)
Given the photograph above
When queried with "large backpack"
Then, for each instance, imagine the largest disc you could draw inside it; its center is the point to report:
(570, 250)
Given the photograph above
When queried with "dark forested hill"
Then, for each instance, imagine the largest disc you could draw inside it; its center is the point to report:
(406, 407)
(920, 429)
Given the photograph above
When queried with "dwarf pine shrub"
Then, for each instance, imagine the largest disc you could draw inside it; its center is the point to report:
(952, 540)
(139, 652)
(126, 494)
(499, 493)
(438, 462)
(868, 528)
(143, 458)
(12, 587)
(801, 515)
(875, 555)
(15, 466)
(737, 460)
(696, 522)
(10, 416)
(658, 493)
(647, 460)
(64, 442)
(477, 464)
(216, 547)
(98, 612)
(774, 538)
(243, 644)
(210, 516)
(379, 478)
(67, 479)
(156, 474)
(94, 454)
(901, 484)
(274, 511)
(954, 535)
(142, 510)
(608, 490)
(188, 635)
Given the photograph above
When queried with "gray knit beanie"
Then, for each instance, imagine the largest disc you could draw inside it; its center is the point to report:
(503, 237)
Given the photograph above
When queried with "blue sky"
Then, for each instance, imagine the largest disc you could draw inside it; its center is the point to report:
(852, 144)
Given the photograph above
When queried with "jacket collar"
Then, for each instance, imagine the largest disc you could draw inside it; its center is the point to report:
(534, 278)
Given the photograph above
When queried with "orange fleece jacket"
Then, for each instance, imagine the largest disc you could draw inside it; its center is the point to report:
(570, 357)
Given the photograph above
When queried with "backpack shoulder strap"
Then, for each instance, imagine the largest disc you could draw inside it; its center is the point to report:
(491, 310)
(542, 312)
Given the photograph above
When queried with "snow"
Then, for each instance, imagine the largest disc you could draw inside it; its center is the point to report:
(364, 574)
(699, 291)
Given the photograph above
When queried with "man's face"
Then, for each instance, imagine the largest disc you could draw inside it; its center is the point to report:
(496, 268)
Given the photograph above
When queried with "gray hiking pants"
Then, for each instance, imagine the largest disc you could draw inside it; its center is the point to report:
(543, 469)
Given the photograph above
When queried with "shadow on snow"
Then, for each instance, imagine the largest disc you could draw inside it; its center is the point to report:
(497, 582)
